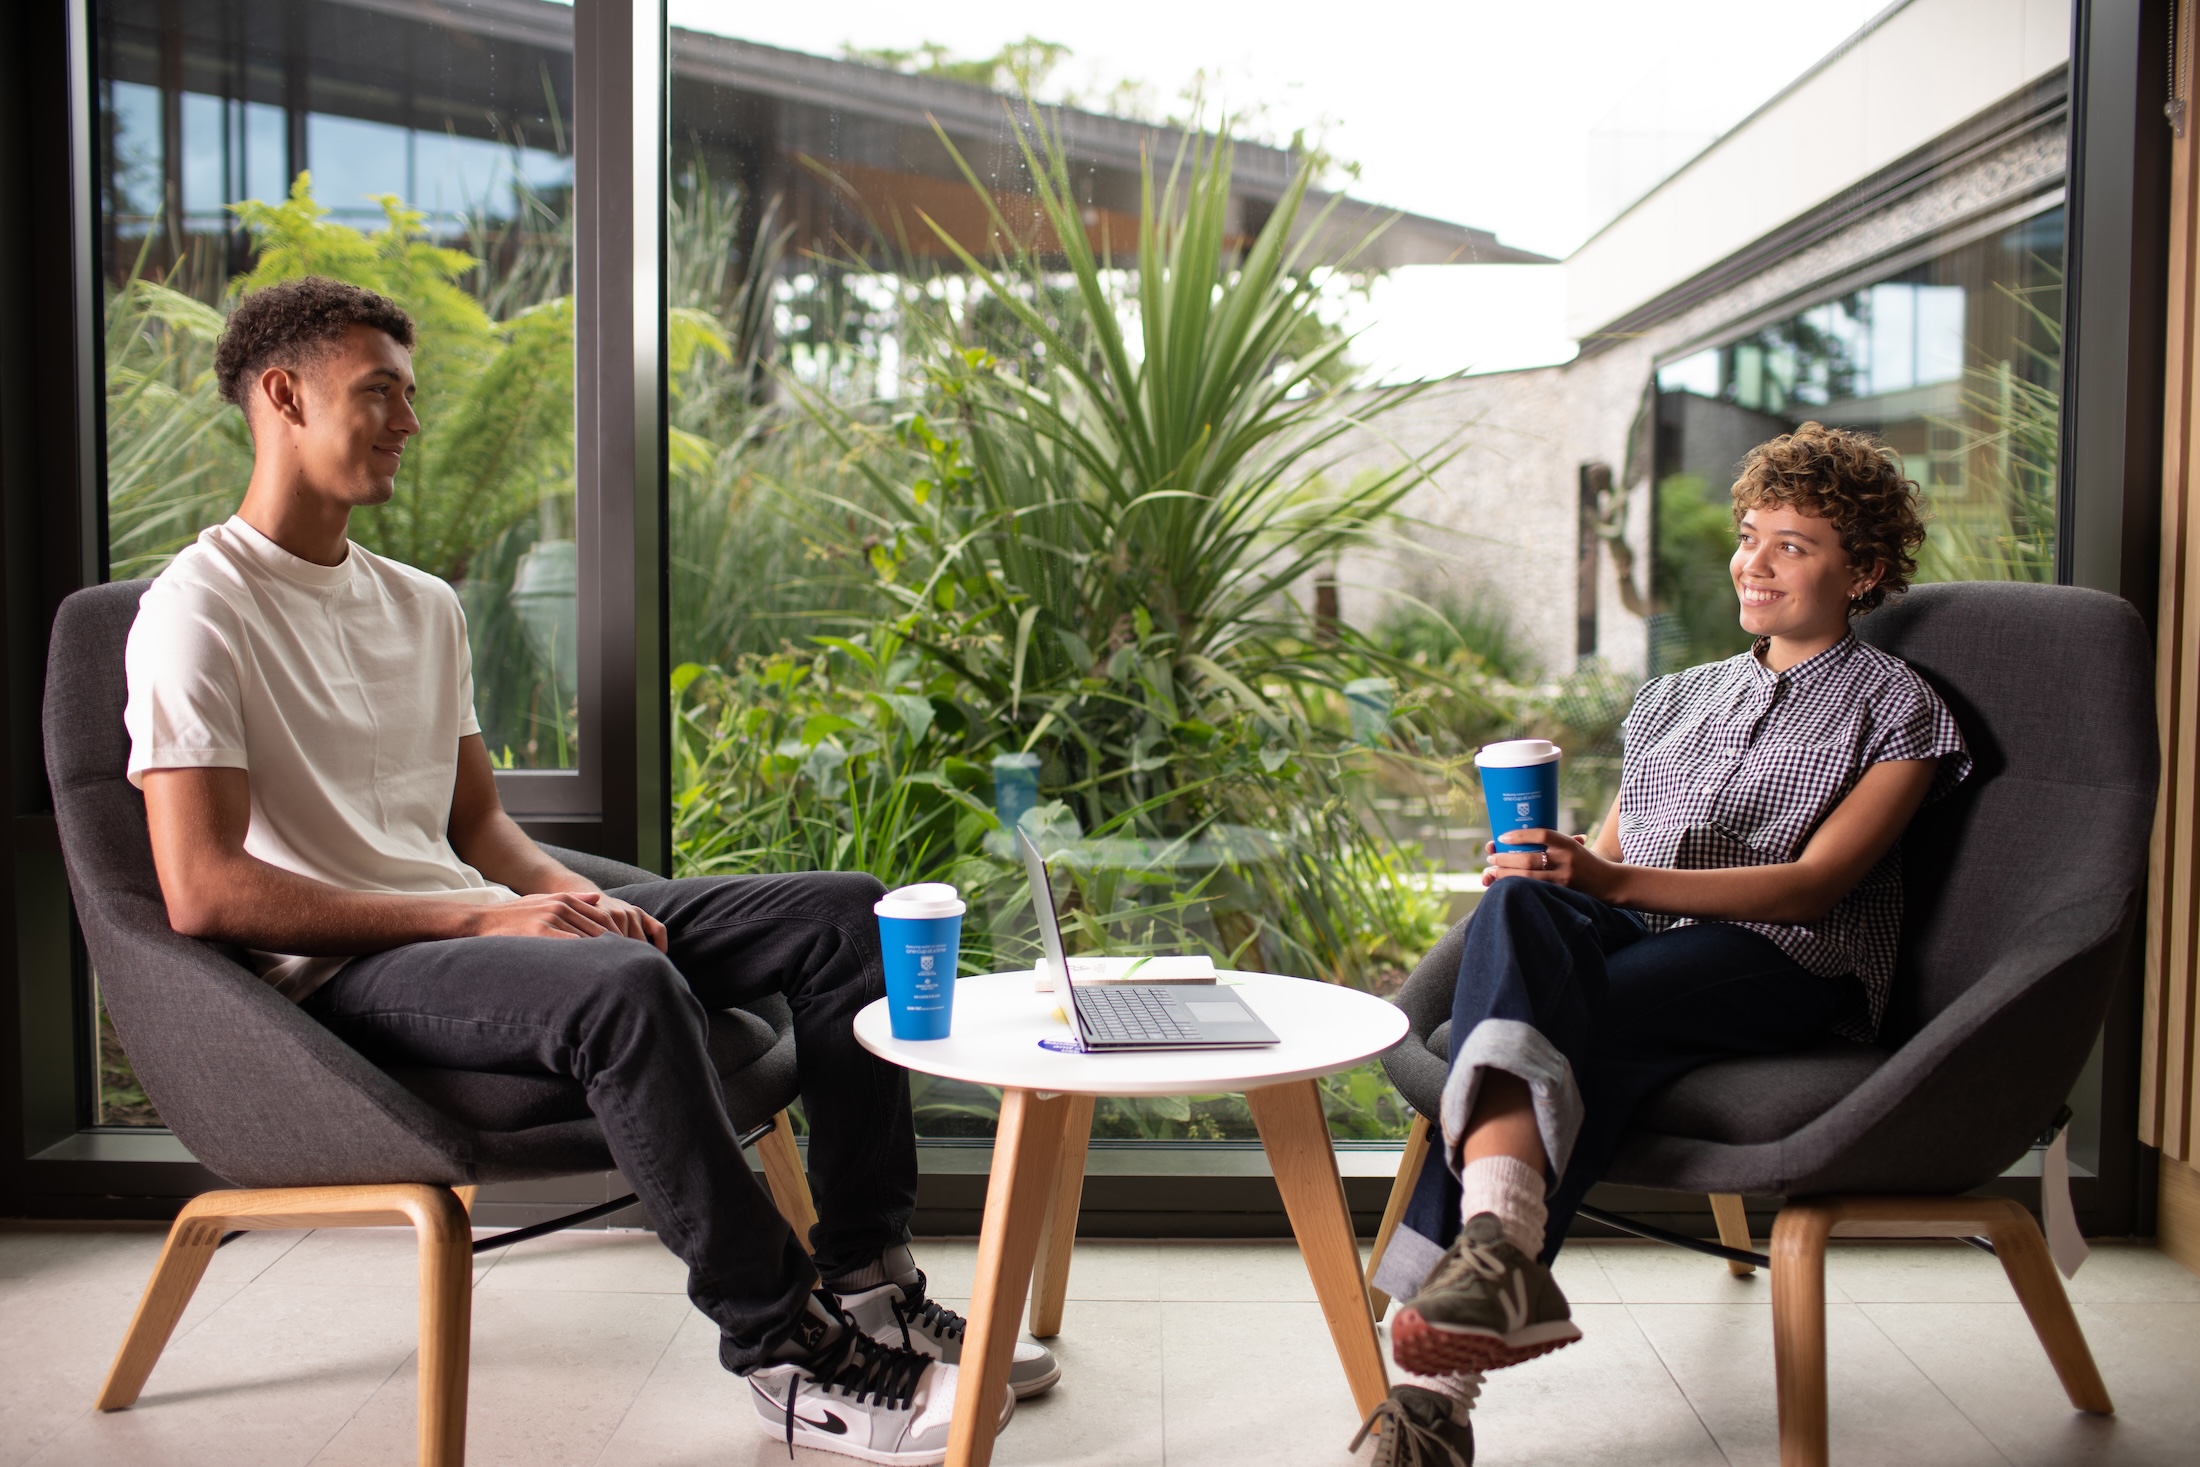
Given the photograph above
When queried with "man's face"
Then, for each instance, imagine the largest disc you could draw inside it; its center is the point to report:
(347, 415)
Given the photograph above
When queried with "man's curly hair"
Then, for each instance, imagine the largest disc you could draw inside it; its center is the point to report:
(296, 323)
(1850, 479)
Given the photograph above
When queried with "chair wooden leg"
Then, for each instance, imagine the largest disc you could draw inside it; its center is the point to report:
(1733, 1221)
(465, 1196)
(1058, 1234)
(790, 1185)
(1799, 1296)
(2024, 1258)
(1410, 1162)
(1799, 1330)
(446, 1322)
(446, 1286)
(183, 1259)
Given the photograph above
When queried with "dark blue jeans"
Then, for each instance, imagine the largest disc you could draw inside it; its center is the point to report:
(628, 1023)
(1628, 1009)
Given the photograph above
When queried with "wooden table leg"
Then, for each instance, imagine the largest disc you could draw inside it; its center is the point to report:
(1026, 1150)
(1296, 1136)
(1050, 1275)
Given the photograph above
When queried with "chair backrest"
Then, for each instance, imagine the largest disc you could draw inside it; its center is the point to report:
(2054, 689)
(262, 1094)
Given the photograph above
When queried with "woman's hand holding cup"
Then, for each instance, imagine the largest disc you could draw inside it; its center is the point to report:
(1564, 860)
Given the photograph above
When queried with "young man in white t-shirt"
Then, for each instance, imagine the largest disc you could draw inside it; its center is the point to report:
(318, 793)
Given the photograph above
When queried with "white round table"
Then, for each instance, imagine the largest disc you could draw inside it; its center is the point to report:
(1038, 1169)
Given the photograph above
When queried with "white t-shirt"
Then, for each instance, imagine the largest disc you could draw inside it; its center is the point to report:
(342, 690)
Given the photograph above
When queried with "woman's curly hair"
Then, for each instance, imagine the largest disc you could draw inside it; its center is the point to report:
(1850, 479)
(295, 323)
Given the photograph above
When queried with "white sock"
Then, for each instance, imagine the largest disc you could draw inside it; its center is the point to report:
(1460, 1388)
(1513, 1190)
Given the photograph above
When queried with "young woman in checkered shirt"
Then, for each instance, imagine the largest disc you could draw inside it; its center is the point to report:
(1743, 897)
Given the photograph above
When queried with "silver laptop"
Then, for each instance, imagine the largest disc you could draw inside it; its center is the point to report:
(1127, 1016)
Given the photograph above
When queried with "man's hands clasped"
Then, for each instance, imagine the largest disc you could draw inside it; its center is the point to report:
(567, 914)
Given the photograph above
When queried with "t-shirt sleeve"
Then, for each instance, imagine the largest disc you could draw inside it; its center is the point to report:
(468, 723)
(1915, 724)
(186, 703)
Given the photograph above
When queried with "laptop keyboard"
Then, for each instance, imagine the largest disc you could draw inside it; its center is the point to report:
(1129, 1013)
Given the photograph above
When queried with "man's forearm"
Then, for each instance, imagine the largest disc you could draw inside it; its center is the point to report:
(495, 846)
(253, 904)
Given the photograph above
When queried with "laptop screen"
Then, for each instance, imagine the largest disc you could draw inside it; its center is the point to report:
(1042, 902)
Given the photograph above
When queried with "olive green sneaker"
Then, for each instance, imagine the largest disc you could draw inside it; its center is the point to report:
(1417, 1430)
(1484, 1306)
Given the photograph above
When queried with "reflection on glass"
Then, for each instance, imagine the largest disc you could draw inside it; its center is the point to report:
(427, 159)
(918, 581)
(1955, 362)
(422, 155)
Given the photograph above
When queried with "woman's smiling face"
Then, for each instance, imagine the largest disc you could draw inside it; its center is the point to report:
(1794, 579)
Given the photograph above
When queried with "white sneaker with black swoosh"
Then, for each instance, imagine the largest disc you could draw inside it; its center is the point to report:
(861, 1399)
(900, 1314)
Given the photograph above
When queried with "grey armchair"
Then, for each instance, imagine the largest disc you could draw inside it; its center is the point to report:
(270, 1100)
(2022, 891)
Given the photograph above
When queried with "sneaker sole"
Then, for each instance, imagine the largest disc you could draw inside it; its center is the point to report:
(1428, 1348)
(1024, 1390)
(820, 1441)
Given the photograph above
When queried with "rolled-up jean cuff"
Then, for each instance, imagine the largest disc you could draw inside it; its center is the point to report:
(1518, 1049)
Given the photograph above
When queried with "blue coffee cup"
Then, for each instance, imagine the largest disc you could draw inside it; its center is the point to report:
(920, 934)
(1520, 787)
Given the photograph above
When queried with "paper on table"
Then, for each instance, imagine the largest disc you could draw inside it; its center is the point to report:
(1187, 968)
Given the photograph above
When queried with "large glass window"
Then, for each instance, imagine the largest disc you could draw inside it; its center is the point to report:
(961, 543)
(1956, 362)
(424, 154)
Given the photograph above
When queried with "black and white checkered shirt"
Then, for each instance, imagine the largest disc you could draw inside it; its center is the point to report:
(1732, 764)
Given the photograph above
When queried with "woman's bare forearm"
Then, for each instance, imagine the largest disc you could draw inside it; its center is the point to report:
(1786, 893)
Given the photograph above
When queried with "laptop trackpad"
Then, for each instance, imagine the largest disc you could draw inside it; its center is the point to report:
(1218, 1013)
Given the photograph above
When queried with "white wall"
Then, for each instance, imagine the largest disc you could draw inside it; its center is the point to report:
(1920, 69)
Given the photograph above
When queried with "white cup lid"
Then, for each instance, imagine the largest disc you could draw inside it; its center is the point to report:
(925, 899)
(1516, 753)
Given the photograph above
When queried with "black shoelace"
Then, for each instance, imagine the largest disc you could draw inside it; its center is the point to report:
(866, 1368)
(913, 1308)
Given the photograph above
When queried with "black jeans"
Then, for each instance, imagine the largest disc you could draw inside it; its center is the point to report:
(1629, 1010)
(628, 1023)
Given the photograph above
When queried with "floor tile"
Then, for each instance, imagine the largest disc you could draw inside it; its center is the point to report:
(1100, 1268)
(1607, 1399)
(1882, 1408)
(1107, 1409)
(553, 1376)
(78, 1313)
(1581, 1276)
(1928, 1271)
(2133, 1273)
(1651, 1273)
(1251, 1383)
(589, 1261)
(268, 1378)
(386, 1258)
(1985, 1359)
(690, 1413)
